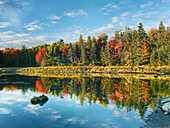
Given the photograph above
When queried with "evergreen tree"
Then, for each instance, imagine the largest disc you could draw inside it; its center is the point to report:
(109, 56)
(80, 40)
(1, 56)
(89, 41)
(75, 53)
(140, 36)
(83, 54)
(23, 47)
(93, 51)
(70, 53)
(161, 27)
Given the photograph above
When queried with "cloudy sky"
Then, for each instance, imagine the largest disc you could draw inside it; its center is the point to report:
(35, 22)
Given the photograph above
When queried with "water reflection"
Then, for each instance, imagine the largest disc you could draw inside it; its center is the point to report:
(129, 94)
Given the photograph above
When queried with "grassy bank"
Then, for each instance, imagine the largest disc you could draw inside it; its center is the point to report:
(98, 69)
(143, 72)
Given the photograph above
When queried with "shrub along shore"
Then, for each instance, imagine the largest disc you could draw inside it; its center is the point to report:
(97, 69)
(146, 72)
(92, 70)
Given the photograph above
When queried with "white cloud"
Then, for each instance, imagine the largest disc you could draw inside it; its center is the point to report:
(25, 4)
(126, 13)
(157, 5)
(15, 40)
(11, 14)
(124, 2)
(103, 8)
(165, 1)
(111, 106)
(109, 29)
(137, 15)
(33, 26)
(54, 117)
(150, 3)
(22, 35)
(108, 5)
(117, 19)
(115, 6)
(4, 24)
(126, 118)
(4, 111)
(79, 32)
(74, 13)
(10, 35)
(5, 33)
(119, 113)
(121, 23)
(152, 12)
(2, 2)
(77, 120)
(54, 22)
(32, 109)
(67, 36)
(54, 17)
(106, 14)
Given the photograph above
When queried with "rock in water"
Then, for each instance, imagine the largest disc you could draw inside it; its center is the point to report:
(35, 100)
(41, 100)
(164, 104)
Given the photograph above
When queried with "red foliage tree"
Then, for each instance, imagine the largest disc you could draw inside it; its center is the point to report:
(111, 44)
(40, 55)
(65, 50)
(118, 49)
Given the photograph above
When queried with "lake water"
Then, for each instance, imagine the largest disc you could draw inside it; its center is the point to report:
(78, 102)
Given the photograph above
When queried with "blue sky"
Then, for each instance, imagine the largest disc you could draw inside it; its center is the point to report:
(35, 22)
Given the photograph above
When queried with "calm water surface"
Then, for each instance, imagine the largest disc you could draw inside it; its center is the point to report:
(78, 102)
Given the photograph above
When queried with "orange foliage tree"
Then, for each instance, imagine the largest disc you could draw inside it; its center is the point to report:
(145, 52)
(39, 55)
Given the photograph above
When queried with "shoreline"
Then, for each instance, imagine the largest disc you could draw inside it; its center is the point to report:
(142, 72)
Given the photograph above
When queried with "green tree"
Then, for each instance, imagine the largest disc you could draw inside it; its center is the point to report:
(70, 53)
(80, 40)
(93, 51)
(83, 54)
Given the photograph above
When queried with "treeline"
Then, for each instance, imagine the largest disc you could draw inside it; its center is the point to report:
(17, 58)
(130, 48)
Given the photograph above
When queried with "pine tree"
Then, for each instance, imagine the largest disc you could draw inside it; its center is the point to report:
(101, 43)
(93, 51)
(80, 40)
(109, 55)
(83, 54)
(161, 27)
(1, 56)
(89, 42)
(75, 53)
(70, 53)
(141, 35)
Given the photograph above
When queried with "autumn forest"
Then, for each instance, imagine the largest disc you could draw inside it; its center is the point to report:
(126, 48)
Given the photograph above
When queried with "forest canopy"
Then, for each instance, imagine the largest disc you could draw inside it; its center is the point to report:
(126, 48)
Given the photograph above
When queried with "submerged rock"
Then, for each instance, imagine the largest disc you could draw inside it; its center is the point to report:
(164, 104)
(157, 119)
(41, 100)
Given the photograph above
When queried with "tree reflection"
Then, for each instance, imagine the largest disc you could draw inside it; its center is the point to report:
(130, 93)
